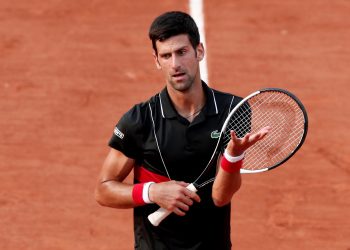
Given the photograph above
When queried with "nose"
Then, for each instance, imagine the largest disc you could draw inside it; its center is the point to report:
(175, 62)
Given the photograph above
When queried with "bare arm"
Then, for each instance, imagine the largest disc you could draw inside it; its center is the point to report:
(227, 184)
(110, 190)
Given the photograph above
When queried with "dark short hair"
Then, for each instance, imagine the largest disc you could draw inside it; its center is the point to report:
(171, 24)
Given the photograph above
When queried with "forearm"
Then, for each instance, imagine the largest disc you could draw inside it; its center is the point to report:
(111, 190)
(225, 186)
(114, 194)
(228, 179)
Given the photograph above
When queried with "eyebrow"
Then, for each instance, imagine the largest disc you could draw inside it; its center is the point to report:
(165, 53)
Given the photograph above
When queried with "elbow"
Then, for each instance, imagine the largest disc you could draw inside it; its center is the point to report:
(106, 198)
(223, 197)
(220, 202)
(99, 196)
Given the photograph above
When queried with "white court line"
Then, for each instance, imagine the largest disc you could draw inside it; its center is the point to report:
(197, 13)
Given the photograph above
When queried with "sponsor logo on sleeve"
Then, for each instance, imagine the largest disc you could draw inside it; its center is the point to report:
(118, 133)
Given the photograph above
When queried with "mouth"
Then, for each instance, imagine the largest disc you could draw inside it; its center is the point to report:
(178, 75)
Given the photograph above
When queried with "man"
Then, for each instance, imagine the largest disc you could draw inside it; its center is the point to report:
(167, 141)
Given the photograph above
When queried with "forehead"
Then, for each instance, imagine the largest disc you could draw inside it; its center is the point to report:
(173, 43)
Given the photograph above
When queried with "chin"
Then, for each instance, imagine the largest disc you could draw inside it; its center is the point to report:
(182, 86)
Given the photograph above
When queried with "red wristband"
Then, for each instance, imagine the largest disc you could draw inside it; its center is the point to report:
(230, 167)
(137, 194)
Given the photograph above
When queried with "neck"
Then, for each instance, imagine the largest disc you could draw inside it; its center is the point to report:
(189, 104)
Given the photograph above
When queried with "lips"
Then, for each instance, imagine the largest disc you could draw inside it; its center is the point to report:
(178, 74)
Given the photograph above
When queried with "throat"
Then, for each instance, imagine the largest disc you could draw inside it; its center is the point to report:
(190, 117)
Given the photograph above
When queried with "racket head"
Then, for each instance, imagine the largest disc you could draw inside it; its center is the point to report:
(287, 118)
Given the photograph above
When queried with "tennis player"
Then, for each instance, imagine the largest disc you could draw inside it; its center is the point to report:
(166, 142)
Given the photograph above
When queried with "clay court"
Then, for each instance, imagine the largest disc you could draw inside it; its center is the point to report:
(70, 69)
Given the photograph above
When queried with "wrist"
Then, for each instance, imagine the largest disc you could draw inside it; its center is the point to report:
(233, 159)
(140, 193)
(145, 192)
(231, 164)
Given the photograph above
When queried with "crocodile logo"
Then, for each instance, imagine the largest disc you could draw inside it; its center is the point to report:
(215, 134)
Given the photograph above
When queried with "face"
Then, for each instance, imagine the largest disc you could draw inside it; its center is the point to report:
(179, 62)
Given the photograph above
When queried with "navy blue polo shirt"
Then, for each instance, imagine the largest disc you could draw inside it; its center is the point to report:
(167, 146)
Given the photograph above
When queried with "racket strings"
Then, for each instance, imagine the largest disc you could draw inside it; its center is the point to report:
(241, 118)
(278, 140)
(282, 139)
(278, 111)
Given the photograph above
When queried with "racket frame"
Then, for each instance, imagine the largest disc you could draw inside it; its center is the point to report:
(302, 140)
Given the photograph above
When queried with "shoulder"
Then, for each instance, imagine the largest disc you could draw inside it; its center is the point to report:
(137, 116)
(140, 110)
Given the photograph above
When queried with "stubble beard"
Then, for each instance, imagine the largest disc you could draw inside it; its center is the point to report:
(182, 86)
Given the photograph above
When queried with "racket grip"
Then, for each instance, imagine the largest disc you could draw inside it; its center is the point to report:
(158, 216)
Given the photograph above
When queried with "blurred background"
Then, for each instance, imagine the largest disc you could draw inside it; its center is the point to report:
(70, 69)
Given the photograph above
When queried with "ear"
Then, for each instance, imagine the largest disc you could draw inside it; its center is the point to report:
(155, 57)
(200, 52)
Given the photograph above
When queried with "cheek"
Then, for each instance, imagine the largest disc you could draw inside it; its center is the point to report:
(164, 67)
(165, 71)
(192, 66)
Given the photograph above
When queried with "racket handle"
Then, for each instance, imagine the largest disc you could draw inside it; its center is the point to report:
(158, 216)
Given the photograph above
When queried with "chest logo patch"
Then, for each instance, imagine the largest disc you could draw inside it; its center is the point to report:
(118, 133)
(215, 134)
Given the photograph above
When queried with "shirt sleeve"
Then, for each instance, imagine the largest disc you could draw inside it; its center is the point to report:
(127, 134)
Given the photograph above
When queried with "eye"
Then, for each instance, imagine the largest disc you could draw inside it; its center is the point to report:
(182, 52)
(165, 56)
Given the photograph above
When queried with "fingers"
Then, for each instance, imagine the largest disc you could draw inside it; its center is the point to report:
(265, 130)
(192, 195)
(233, 136)
(182, 205)
(179, 212)
(182, 183)
(260, 134)
(246, 138)
(177, 197)
(187, 192)
(251, 137)
(237, 145)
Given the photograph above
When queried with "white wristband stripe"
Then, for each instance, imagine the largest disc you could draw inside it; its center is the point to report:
(145, 195)
(231, 158)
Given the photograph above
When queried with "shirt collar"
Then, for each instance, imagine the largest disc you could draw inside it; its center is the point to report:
(168, 110)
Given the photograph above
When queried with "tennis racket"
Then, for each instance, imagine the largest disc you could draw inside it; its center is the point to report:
(276, 108)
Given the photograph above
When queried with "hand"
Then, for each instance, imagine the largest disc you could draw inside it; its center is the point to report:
(237, 146)
(173, 196)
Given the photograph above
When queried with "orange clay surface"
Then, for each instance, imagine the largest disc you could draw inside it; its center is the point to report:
(70, 69)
